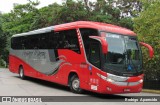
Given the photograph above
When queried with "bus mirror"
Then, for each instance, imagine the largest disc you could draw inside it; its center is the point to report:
(150, 49)
(103, 42)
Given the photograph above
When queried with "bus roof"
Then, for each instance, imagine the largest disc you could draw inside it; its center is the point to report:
(42, 30)
(82, 24)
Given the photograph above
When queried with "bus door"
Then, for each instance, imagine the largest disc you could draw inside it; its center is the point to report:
(95, 63)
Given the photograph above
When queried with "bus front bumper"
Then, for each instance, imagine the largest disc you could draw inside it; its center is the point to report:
(130, 87)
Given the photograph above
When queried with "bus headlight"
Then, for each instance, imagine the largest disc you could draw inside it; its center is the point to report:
(101, 76)
(105, 78)
(110, 80)
(140, 81)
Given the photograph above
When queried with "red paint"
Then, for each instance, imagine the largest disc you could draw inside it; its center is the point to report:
(103, 43)
(134, 79)
(62, 77)
(79, 65)
(151, 51)
(95, 25)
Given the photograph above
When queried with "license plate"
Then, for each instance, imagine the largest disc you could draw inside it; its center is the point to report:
(127, 90)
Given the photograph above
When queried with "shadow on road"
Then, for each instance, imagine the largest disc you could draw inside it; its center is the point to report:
(99, 97)
(45, 83)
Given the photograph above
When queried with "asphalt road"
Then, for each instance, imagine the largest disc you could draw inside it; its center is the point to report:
(12, 85)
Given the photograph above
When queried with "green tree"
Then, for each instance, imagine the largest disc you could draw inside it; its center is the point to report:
(20, 19)
(100, 11)
(147, 26)
(129, 8)
(3, 40)
(103, 11)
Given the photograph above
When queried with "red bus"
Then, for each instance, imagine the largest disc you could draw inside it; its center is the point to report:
(83, 55)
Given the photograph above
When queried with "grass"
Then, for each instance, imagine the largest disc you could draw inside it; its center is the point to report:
(2, 67)
(151, 91)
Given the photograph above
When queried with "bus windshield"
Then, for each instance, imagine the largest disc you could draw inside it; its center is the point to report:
(124, 55)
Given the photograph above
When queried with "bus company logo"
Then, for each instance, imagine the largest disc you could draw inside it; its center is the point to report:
(35, 54)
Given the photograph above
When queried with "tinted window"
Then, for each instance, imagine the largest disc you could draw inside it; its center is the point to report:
(92, 47)
(85, 33)
(68, 40)
(16, 43)
(60, 40)
(94, 56)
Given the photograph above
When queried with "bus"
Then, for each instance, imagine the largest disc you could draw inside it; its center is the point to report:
(82, 55)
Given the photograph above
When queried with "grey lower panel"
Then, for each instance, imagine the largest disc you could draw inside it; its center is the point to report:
(44, 61)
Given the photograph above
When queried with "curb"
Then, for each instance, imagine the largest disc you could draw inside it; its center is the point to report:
(151, 91)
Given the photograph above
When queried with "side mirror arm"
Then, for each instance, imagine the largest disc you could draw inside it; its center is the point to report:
(150, 49)
(103, 42)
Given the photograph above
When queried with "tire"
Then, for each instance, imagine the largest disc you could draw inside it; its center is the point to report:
(75, 84)
(21, 73)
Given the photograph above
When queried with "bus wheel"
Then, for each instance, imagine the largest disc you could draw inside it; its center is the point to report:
(75, 84)
(21, 73)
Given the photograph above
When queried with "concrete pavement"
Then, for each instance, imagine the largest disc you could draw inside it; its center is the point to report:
(12, 85)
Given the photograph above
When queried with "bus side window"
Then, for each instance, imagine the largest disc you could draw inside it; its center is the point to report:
(52, 40)
(85, 33)
(68, 39)
(13, 43)
(17, 43)
(94, 54)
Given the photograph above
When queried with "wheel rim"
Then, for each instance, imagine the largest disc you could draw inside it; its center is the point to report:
(75, 84)
(21, 73)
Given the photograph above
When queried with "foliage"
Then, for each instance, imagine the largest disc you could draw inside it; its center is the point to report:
(3, 44)
(129, 8)
(20, 18)
(147, 26)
